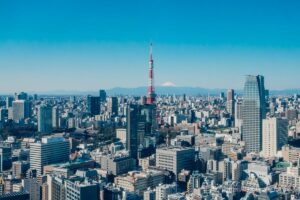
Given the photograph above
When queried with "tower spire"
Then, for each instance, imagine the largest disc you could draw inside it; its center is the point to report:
(151, 51)
(151, 93)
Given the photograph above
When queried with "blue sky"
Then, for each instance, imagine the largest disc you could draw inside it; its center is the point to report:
(87, 45)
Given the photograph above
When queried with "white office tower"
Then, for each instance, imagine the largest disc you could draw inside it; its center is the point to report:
(275, 134)
(162, 191)
(175, 158)
(230, 102)
(21, 109)
(48, 151)
(238, 115)
(55, 117)
(45, 119)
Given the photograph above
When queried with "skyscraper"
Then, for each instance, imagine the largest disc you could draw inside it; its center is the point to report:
(135, 129)
(45, 119)
(21, 110)
(230, 102)
(112, 106)
(55, 117)
(8, 102)
(238, 114)
(93, 105)
(253, 112)
(102, 95)
(151, 98)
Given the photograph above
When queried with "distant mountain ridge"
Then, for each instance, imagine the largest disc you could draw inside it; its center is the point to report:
(189, 91)
(160, 90)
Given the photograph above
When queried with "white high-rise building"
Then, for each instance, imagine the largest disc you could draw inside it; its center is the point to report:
(48, 151)
(275, 134)
(238, 115)
(55, 117)
(45, 119)
(21, 109)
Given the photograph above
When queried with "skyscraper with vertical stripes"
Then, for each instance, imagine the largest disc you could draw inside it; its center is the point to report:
(253, 112)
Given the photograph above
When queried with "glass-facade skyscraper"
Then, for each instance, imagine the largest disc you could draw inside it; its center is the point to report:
(102, 95)
(253, 112)
(45, 119)
(93, 105)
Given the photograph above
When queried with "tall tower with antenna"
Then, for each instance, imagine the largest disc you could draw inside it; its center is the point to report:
(151, 98)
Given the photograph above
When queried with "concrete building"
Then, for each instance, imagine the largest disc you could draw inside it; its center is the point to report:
(2, 186)
(149, 195)
(121, 134)
(275, 135)
(262, 171)
(48, 151)
(290, 178)
(238, 168)
(290, 153)
(175, 158)
(115, 164)
(138, 182)
(19, 169)
(56, 187)
(81, 189)
(162, 191)
(33, 187)
(69, 168)
(146, 162)
(225, 167)
(194, 182)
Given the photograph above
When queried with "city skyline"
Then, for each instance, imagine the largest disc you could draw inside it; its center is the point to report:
(84, 47)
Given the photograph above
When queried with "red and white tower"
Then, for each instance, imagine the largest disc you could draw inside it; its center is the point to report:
(151, 92)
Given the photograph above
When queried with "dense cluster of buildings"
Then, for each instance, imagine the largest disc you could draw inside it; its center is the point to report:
(165, 147)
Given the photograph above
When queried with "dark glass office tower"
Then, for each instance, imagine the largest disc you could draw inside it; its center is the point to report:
(112, 106)
(102, 95)
(135, 129)
(93, 105)
(253, 112)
